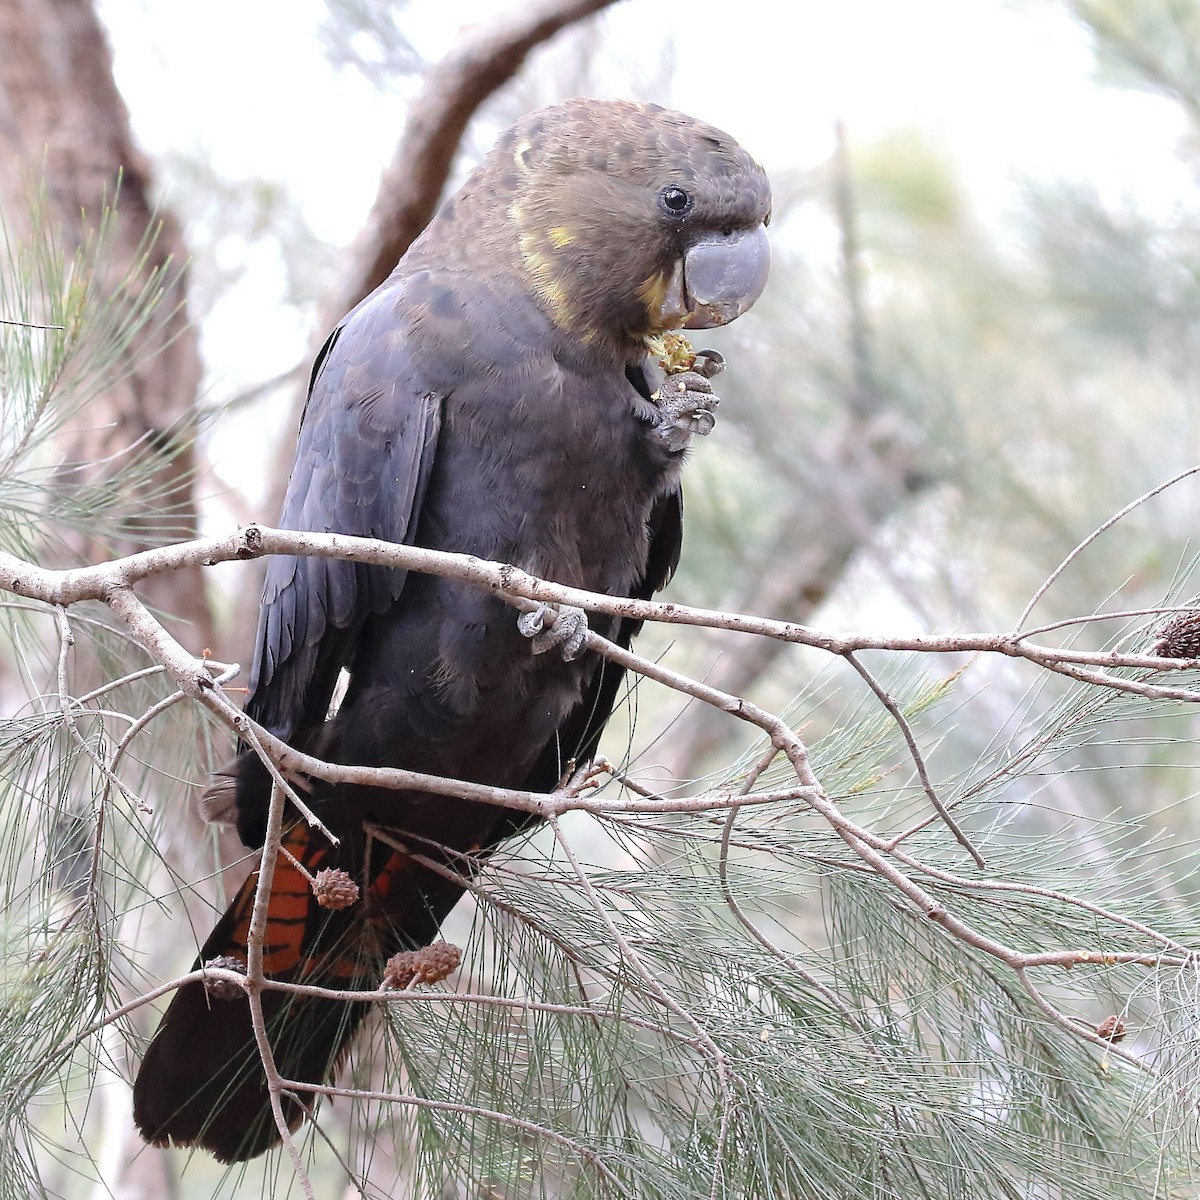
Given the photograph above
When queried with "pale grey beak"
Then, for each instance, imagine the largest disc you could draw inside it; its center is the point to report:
(723, 275)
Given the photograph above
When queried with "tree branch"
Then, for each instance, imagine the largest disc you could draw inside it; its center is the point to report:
(919, 888)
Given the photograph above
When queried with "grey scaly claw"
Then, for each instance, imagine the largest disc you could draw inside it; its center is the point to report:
(686, 403)
(561, 627)
(532, 623)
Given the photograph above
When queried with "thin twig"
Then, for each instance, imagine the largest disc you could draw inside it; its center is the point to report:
(1029, 889)
(467, 1110)
(1079, 1029)
(252, 735)
(113, 684)
(884, 698)
(155, 710)
(1091, 537)
(29, 324)
(255, 939)
(1126, 614)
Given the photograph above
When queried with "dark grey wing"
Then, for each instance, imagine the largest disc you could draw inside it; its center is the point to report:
(366, 446)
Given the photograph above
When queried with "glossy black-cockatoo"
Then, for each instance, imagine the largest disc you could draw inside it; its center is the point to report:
(491, 398)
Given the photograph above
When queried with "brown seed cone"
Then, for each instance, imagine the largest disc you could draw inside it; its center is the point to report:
(1111, 1029)
(399, 971)
(224, 989)
(334, 889)
(1179, 637)
(427, 965)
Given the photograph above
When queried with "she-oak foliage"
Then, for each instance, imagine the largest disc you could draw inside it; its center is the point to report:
(699, 1004)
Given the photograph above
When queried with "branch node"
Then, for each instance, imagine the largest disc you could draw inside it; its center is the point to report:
(249, 541)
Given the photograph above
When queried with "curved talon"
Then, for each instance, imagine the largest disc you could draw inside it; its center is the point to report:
(561, 627)
(533, 623)
(709, 363)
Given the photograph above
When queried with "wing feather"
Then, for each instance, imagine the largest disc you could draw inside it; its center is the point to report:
(367, 443)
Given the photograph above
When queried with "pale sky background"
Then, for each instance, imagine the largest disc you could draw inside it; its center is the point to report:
(1005, 89)
(1006, 86)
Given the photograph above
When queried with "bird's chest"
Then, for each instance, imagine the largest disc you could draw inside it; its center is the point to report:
(560, 482)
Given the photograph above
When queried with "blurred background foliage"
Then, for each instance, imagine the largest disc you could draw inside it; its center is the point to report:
(946, 388)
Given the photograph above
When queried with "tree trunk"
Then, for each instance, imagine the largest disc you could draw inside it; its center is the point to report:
(64, 126)
(65, 133)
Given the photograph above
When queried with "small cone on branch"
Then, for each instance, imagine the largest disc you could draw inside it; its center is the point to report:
(1179, 637)
(334, 889)
(224, 989)
(427, 965)
(1111, 1029)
